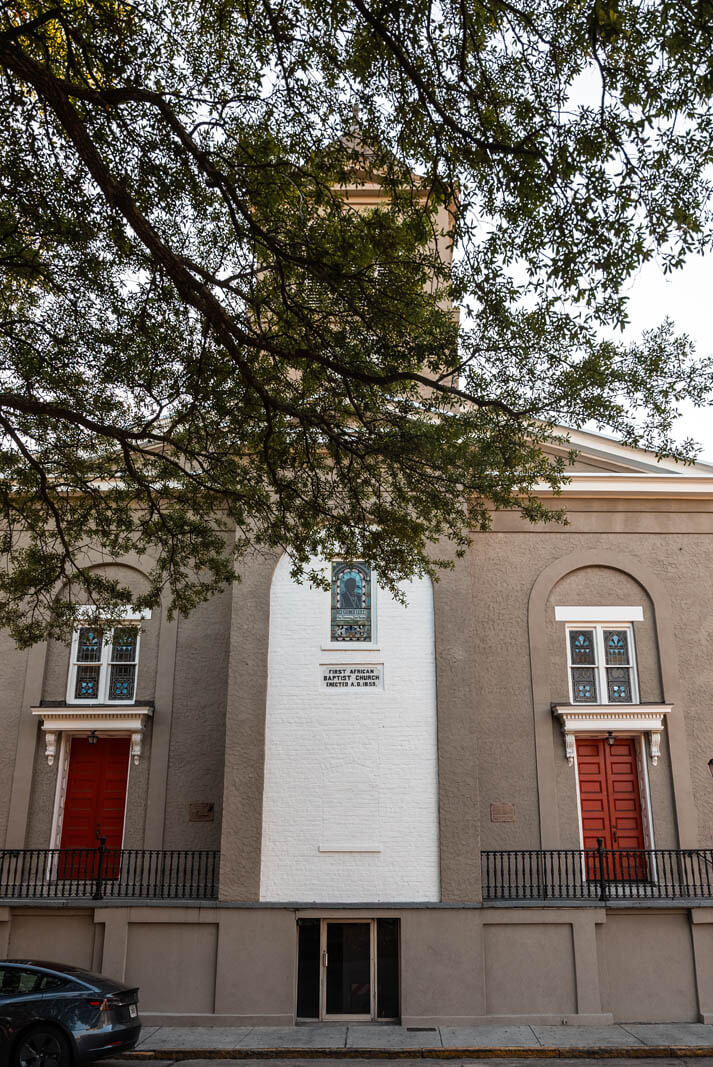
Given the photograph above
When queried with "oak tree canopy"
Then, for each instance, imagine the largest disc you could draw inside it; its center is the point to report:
(205, 351)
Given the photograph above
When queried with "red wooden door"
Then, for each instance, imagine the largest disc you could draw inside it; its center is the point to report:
(94, 804)
(611, 805)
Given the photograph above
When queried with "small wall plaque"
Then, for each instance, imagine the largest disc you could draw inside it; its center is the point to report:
(502, 813)
(352, 675)
(203, 812)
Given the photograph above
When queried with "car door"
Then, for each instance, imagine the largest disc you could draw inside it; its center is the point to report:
(28, 995)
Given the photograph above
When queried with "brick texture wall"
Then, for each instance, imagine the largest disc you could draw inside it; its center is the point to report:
(351, 796)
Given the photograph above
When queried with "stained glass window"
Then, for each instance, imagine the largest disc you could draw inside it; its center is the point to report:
(351, 602)
(89, 653)
(619, 685)
(581, 644)
(616, 643)
(601, 665)
(121, 681)
(617, 656)
(86, 686)
(584, 685)
(104, 665)
(123, 645)
(122, 675)
(89, 645)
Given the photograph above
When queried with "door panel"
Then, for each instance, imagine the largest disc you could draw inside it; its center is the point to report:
(94, 804)
(387, 969)
(348, 981)
(610, 804)
(593, 796)
(308, 968)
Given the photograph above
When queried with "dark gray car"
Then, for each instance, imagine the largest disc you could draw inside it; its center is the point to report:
(54, 1015)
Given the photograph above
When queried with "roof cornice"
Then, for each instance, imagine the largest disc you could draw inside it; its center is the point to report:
(683, 485)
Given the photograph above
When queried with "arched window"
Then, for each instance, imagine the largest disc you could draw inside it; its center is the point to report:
(351, 602)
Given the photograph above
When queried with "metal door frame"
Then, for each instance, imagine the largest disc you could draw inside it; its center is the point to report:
(324, 963)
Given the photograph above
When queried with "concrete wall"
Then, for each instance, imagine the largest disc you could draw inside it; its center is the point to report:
(183, 672)
(350, 808)
(499, 663)
(520, 664)
(458, 966)
(196, 753)
(13, 685)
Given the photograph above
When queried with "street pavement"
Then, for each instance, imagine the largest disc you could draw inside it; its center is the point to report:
(580, 1061)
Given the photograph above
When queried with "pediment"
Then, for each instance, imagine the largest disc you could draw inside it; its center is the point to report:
(598, 454)
(606, 468)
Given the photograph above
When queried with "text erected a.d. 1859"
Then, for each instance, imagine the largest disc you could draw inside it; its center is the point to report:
(353, 676)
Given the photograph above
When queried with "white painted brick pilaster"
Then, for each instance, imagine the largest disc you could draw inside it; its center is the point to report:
(350, 768)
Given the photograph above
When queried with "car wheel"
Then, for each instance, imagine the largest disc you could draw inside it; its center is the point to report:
(42, 1046)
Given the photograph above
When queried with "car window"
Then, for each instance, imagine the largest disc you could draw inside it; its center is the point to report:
(17, 982)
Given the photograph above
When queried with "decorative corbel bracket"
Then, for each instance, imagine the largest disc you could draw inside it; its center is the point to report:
(50, 746)
(137, 741)
(570, 745)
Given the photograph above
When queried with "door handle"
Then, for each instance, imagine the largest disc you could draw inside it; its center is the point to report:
(615, 837)
(325, 958)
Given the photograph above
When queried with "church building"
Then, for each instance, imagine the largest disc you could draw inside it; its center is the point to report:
(491, 802)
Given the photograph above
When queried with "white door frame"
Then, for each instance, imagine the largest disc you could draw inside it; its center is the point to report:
(642, 775)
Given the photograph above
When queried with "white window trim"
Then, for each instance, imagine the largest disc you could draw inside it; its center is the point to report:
(600, 667)
(104, 670)
(128, 614)
(599, 614)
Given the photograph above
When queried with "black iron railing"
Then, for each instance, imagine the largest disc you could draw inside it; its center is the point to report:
(598, 874)
(108, 873)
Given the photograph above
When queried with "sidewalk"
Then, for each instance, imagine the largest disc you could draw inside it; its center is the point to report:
(642, 1040)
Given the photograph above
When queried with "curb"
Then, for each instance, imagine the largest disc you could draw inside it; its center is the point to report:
(595, 1052)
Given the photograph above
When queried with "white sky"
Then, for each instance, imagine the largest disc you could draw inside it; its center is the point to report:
(686, 297)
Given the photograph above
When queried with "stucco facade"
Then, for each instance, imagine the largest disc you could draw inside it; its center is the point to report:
(385, 803)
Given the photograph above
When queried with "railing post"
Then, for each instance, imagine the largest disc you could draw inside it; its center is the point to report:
(602, 878)
(97, 895)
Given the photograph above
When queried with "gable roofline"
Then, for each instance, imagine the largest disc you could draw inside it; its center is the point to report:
(626, 472)
(624, 458)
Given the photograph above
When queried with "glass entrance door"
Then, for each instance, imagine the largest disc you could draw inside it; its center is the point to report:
(348, 964)
(348, 969)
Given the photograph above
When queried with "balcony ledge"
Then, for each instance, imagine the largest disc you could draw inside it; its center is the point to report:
(102, 719)
(597, 720)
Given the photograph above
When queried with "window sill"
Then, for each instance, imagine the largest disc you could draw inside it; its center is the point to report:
(350, 646)
(102, 704)
(602, 719)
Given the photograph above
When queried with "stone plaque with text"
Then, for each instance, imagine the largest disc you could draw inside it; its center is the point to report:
(352, 676)
(201, 812)
(502, 813)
